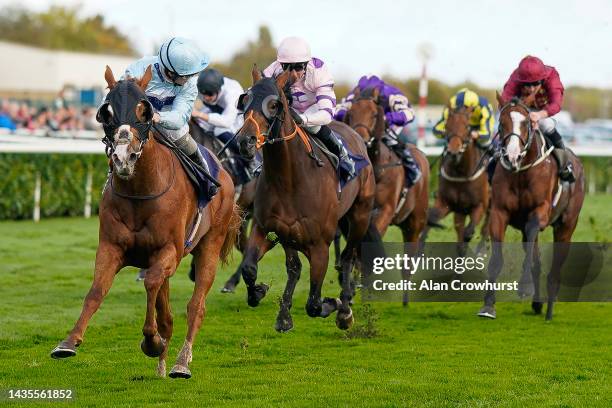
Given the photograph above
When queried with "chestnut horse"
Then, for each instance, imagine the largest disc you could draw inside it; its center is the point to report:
(297, 200)
(146, 214)
(527, 194)
(245, 199)
(394, 203)
(463, 187)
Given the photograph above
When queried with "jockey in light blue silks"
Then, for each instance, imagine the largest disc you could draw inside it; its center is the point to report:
(172, 91)
(398, 114)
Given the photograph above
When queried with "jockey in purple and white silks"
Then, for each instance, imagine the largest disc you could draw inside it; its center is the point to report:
(172, 90)
(398, 114)
(312, 96)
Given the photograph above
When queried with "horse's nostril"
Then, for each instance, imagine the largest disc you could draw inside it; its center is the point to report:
(115, 157)
(133, 156)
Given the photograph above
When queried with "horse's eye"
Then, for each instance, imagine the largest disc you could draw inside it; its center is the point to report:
(273, 106)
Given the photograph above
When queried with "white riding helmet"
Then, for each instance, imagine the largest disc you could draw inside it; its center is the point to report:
(293, 49)
(182, 56)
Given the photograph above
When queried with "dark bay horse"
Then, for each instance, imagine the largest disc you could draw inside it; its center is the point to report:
(463, 187)
(394, 203)
(527, 194)
(297, 200)
(245, 199)
(146, 213)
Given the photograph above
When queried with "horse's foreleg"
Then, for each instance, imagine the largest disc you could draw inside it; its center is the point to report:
(284, 322)
(162, 265)
(484, 229)
(109, 259)
(530, 236)
(256, 248)
(497, 228)
(164, 323)
(475, 218)
(206, 258)
(318, 256)
(411, 229)
(459, 223)
(536, 303)
(434, 215)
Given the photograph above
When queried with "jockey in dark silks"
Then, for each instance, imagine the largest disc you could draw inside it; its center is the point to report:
(398, 114)
(220, 117)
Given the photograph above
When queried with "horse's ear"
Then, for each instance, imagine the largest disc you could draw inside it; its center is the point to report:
(282, 79)
(144, 111)
(530, 99)
(376, 94)
(379, 128)
(255, 73)
(357, 92)
(110, 78)
(144, 81)
(500, 101)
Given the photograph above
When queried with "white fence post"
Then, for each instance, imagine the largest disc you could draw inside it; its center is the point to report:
(37, 188)
(88, 183)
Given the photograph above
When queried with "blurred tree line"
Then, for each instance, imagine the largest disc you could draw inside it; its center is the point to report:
(61, 28)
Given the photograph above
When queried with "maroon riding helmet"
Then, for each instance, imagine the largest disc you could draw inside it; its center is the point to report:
(532, 69)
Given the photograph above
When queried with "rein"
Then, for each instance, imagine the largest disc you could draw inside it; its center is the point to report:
(542, 153)
(144, 197)
(264, 138)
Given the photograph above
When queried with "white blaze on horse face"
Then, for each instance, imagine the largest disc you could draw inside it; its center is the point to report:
(122, 149)
(514, 146)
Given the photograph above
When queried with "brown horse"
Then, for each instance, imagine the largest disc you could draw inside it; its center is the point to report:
(245, 199)
(528, 195)
(146, 213)
(297, 200)
(463, 187)
(394, 203)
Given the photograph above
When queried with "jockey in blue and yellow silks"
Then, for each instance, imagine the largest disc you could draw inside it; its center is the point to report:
(482, 121)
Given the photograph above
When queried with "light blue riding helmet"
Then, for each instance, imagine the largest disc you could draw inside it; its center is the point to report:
(182, 56)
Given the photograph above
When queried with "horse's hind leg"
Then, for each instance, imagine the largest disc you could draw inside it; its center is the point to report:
(164, 323)
(562, 235)
(163, 264)
(258, 245)
(241, 245)
(206, 258)
(109, 259)
(411, 230)
(284, 322)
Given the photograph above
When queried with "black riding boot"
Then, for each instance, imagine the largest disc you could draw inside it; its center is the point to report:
(566, 172)
(400, 149)
(336, 147)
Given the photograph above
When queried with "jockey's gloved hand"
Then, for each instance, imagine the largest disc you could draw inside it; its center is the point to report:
(296, 116)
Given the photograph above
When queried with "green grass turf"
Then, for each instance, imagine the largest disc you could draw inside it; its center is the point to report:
(430, 354)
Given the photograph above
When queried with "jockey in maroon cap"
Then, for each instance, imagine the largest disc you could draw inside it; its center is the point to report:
(532, 76)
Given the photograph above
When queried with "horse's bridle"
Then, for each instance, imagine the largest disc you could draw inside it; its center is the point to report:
(368, 129)
(530, 132)
(119, 103)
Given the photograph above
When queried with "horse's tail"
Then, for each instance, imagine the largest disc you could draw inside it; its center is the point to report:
(232, 234)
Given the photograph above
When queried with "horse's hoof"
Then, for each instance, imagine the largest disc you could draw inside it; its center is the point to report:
(141, 275)
(525, 290)
(283, 325)
(256, 294)
(536, 307)
(487, 311)
(226, 289)
(154, 347)
(63, 352)
(344, 321)
(329, 306)
(179, 371)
